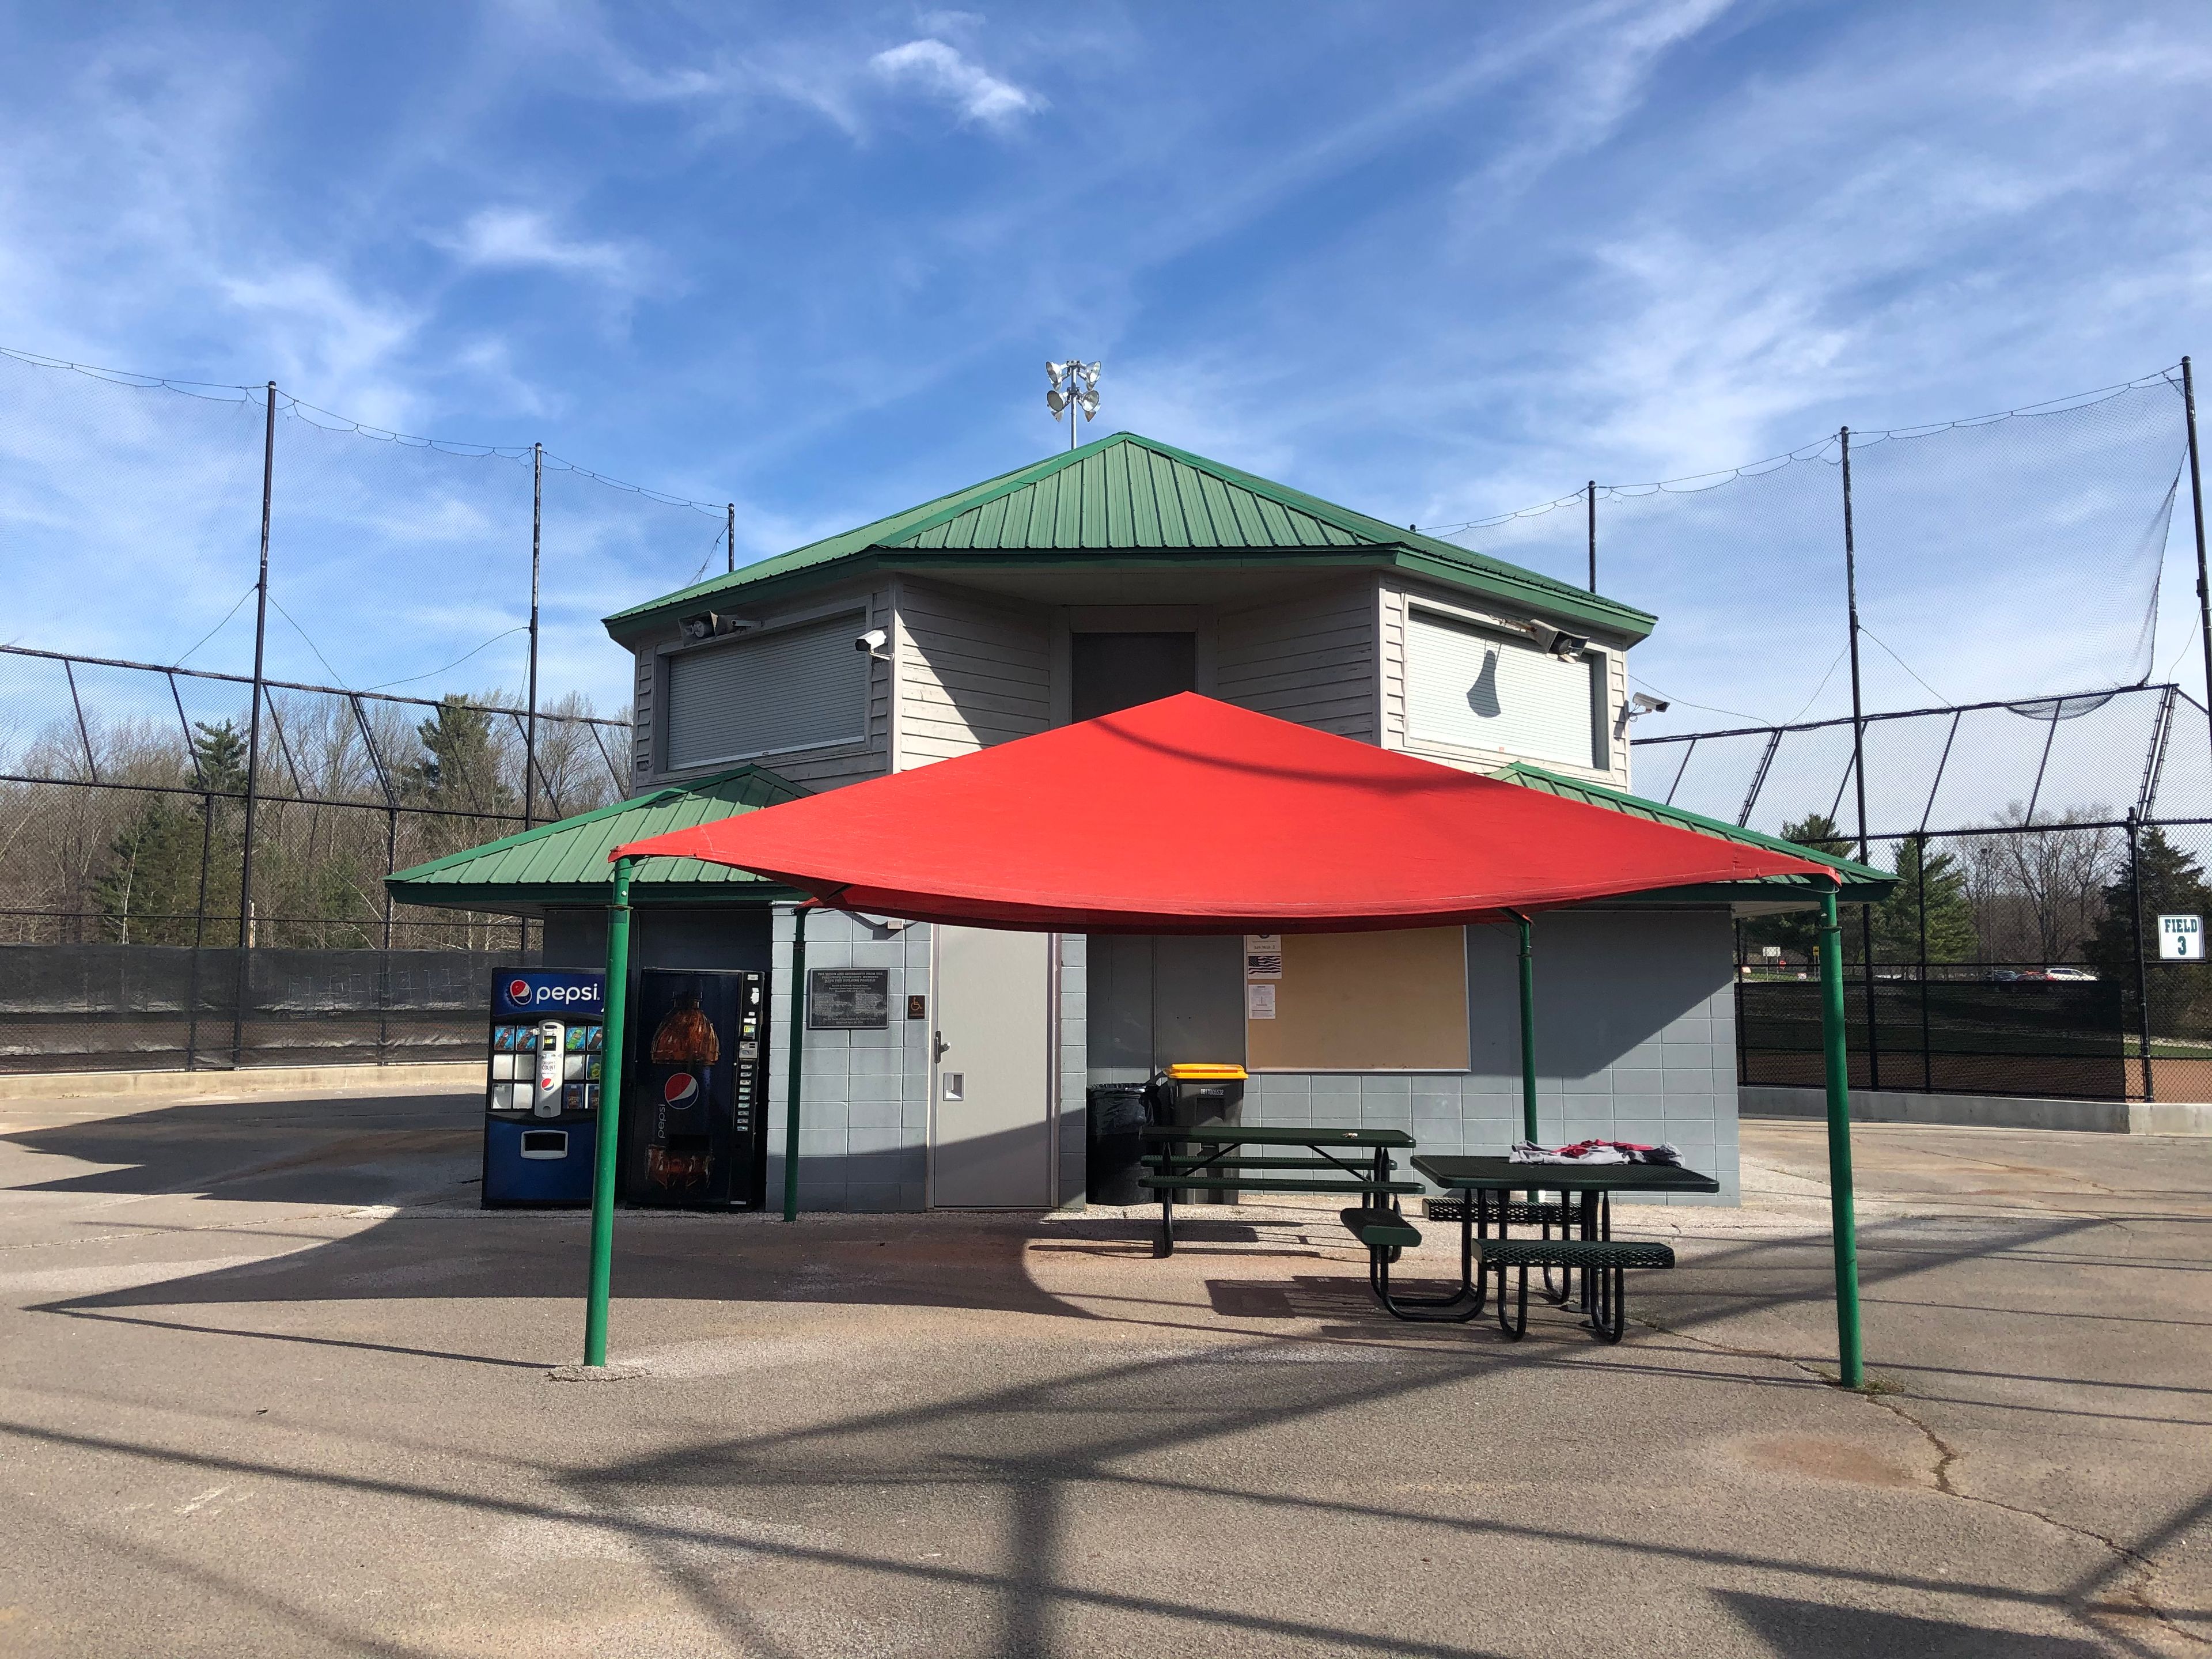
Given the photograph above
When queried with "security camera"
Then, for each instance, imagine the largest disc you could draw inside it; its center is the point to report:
(1645, 703)
(704, 625)
(873, 642)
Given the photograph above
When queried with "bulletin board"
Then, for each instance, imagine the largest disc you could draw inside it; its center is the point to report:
(1357, 1002)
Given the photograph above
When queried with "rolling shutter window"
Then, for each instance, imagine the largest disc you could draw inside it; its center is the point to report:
(802, 688)
(1474, 688)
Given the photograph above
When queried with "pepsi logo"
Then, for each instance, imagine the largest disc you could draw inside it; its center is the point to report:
(517, 990)
(680, 1090)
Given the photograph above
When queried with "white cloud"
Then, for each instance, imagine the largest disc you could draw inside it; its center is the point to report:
(511, 238)
(941, 71)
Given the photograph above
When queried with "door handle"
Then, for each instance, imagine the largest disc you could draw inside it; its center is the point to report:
(938, 1045)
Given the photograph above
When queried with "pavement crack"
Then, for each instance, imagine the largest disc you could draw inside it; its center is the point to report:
(2144, 1570)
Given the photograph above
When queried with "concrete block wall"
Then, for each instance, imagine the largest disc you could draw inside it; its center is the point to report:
(863, 1101)
(1635, 1041)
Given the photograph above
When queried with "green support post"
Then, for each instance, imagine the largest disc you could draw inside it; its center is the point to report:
(609, 1161)
(1843, 1229)
(1527, 1029)
(797, 1053)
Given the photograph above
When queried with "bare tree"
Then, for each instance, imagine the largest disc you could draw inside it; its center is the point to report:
(2038, 891)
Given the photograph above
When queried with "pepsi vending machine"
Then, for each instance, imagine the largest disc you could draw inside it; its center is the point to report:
(693, 1128)
(541, 1101)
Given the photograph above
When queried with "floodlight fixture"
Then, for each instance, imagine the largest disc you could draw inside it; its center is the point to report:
(1070, 386)
(1567, 648)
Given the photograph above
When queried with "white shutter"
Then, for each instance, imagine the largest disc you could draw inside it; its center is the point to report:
(1475, 689)
(800, 688)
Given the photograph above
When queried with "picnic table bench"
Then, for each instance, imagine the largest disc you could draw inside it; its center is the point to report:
(1585, 1206)
(1334, 1164)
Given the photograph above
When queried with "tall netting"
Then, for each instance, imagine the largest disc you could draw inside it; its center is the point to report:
(2037, 845)
(2013, 557)
(132, 507)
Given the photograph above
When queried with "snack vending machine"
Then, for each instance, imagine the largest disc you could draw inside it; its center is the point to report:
(541, 1099)
(693, 1123)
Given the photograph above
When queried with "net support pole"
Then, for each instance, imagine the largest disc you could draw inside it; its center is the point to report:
(796, 1014)
(244, 984)
(2142, 967)
(1843, 1226)
(1527, 1027)
(530, 727)
(606, 1164)
(2196, 506)
(1858, 756)
(730, 531)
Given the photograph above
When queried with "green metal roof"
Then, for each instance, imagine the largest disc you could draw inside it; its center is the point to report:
(566, 863)
(1127, 499)
(1862, 882)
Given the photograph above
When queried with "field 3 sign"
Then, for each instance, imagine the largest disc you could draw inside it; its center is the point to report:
(2181, 939)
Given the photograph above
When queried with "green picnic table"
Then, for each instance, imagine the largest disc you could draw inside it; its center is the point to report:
(1210, 1157)
(1584, 1216)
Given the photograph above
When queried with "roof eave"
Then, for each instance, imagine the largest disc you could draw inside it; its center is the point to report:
(1622, 622)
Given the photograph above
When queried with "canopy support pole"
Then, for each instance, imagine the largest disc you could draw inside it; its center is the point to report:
(798, 1054)
(610, 1126)
(1843, 1226)
(1527, 1029)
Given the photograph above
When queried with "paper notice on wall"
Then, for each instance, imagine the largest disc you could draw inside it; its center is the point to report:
(1263, 958)
(1259, 1002)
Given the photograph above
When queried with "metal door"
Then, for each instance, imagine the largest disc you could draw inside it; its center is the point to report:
(991, 1117)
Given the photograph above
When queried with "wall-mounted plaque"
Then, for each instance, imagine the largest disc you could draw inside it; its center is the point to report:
(848, 1000)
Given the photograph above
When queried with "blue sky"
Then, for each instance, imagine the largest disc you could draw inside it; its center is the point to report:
(1434, 261)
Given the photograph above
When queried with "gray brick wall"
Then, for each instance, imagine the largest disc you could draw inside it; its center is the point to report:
(1635, 1041)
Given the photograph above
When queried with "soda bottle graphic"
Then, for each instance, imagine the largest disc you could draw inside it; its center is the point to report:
(679, 1156)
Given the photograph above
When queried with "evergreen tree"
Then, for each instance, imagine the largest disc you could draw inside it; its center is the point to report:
(460, 766)
(150, 893)
(2173, 885)
(1935, 880)
(1798, 930)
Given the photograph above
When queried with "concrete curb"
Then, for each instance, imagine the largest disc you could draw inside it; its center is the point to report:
(2122, 1117)
(440, 1077)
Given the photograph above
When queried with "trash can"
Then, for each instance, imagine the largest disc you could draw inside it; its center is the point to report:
(1113, 1143)
(1194, 1092)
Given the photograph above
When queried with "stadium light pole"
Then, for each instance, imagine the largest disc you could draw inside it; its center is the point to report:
(1071, 386)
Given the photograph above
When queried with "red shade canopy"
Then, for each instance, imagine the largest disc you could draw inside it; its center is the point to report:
(1188, 816)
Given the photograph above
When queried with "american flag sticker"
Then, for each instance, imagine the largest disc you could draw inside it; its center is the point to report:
(1263, 956)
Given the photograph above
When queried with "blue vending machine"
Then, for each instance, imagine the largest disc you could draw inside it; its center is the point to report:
(542, 1097)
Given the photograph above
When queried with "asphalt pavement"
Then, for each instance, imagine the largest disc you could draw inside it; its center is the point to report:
(272, 1383)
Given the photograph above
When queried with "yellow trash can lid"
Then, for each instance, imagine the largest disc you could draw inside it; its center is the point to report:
(1205, 1072)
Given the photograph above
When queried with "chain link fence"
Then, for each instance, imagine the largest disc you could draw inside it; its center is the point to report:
(191, 862)
(2036, 846)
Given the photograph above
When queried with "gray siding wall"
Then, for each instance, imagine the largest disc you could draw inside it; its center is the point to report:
(970, 672)
(819, 769)
(1309, 658)
(1391, 595)
(864, 1105)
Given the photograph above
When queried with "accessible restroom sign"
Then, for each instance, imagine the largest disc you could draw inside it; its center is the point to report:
(2181, 939)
